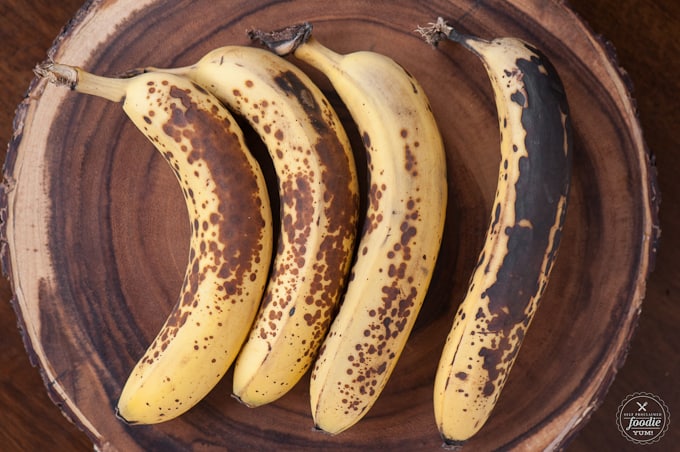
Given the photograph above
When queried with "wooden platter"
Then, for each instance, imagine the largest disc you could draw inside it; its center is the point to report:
(95, 231)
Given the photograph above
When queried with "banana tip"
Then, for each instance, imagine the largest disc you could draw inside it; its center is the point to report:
(283, 41)
(122, 419)
(453, 445)
(435, 32)
(318, 429)
(59, 74)
(241, 401)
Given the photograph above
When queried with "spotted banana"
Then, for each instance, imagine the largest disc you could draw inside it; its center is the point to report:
(523, 235)
(402, 232)
(231, 237)
(318, 190)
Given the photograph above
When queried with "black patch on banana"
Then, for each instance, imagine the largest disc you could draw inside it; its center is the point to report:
(544, 179)
(291, 84)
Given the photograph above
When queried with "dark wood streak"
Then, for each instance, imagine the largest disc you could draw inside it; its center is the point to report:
(96, 243)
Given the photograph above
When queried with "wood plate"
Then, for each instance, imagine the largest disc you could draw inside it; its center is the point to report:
(95, 231)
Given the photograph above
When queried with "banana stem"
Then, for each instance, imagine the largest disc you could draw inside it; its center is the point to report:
(298, 40)
(435, 32)
(77, 79)
(283, 41)
(324, 58)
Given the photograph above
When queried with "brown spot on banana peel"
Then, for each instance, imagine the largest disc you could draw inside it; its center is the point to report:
(542, 189)
(319, 205)
(297, 191)
(365, 359)
(290, 83)
(196, 139)
(540, 201)
(340, 209)
(390, 319)
(234, 210)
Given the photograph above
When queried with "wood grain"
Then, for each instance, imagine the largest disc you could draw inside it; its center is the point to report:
(112, 187)
(29, 418)
(645, 34)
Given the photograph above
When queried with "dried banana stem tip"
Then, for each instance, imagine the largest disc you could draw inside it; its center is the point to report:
(56, 73)
(434, 32)
(285, 40)
(82, 81)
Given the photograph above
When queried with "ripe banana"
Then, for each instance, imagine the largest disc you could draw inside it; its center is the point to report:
(318, 189)
(402, 233)
(231, 237)
(523, 236)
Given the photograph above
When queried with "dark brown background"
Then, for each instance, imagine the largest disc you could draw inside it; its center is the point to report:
(646, 35)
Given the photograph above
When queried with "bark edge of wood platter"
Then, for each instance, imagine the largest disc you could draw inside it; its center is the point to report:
(95, 232)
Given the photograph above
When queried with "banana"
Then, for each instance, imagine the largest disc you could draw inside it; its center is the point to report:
(523, 236)
(318, 189)
(401, 236)
(231, 237)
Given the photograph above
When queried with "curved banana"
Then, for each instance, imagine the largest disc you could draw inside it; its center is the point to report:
(318, 190)
(523, 235)
(231, 237)
(402, 234)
